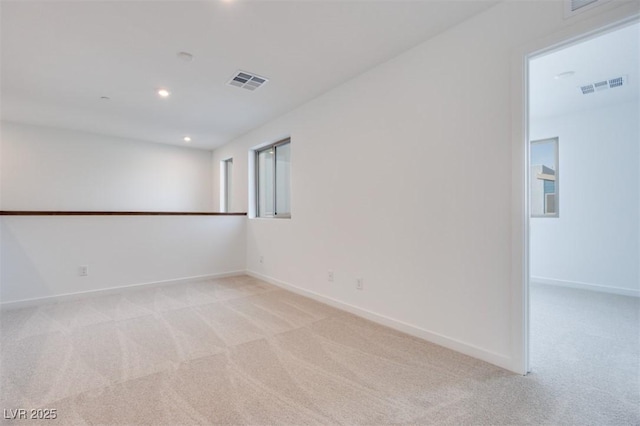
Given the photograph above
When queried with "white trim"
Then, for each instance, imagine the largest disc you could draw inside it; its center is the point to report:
(585, 286)
(519, 317)
(251, 185)
(439, 339)
(611, 16)
(223, 186)
(66, 297)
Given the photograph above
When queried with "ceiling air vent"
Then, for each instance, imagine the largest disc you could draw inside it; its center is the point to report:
(587, 89)
(599, 86)
(247, 80)
(615, 82)
(572, 7)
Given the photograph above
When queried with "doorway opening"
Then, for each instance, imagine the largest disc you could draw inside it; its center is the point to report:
(584, 211)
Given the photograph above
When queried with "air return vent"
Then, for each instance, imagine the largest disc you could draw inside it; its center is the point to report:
(572, 7)
(601, 85)
(247, 80)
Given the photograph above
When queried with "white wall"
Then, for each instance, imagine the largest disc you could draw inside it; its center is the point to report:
(595, 242)
(40, 255)
(53, 169)
(403, 176)
(45, 168)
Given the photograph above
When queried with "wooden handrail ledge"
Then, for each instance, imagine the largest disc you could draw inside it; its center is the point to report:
(110, 213)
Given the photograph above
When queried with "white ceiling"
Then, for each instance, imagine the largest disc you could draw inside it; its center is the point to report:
(58, 58)
(613, 54)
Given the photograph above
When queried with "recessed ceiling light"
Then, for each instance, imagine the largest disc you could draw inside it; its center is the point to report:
(186, 139)
(163, 93)
(565, 74)
(185, 56)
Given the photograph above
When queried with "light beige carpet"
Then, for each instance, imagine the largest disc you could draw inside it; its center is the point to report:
(239, 351)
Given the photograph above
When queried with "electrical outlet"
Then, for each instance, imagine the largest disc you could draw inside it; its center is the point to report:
(330, 276)
(83, 270)
(261, 259)
(360, 284)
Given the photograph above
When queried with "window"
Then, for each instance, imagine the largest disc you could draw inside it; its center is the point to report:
(226, 169)
(544, 178)
(273, 180)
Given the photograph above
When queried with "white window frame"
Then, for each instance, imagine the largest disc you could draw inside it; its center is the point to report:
(555, 141)
(256, 152)
(225, 184)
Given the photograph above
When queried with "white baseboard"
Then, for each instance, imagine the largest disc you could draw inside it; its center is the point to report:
(25, 303)
(439, 339)
(585, 286)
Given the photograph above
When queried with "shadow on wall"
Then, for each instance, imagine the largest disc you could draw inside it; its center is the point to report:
(15, 262)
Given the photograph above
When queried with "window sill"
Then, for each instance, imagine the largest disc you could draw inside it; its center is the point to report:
(271, 217)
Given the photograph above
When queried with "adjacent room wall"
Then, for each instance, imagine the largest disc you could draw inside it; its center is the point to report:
(595, 242)
(45, 168)
(403, 177)
(53, 169)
